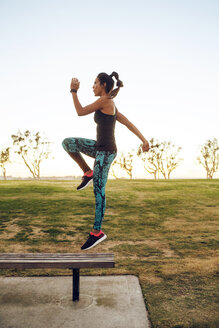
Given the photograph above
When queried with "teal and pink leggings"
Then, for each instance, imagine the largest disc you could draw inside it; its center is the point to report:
(103, 159)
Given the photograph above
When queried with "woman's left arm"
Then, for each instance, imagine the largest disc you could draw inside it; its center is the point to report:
(122, 119)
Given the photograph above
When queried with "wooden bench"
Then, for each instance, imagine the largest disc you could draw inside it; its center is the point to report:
(71, 261)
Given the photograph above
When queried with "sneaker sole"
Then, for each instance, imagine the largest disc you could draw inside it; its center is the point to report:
(89, 182)
(97, 242)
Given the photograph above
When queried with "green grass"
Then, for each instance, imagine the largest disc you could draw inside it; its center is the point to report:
(162, 231)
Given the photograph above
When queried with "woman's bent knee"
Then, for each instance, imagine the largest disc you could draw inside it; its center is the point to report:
(65, 144)
(69, 145)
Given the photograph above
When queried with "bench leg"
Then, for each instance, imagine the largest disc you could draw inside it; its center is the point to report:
(76, 284)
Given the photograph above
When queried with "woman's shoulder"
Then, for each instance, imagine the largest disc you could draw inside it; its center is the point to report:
(108, 106)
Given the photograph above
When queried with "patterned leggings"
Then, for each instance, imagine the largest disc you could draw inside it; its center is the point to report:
(103, 160)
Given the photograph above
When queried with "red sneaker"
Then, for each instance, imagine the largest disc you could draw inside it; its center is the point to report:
(94, 240)
(86, 180)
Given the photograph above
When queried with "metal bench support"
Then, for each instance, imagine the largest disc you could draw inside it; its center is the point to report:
(76, 284)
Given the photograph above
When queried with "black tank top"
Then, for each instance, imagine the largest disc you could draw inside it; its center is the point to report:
(105, 131)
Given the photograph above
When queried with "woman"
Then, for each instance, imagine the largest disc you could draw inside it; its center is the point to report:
(103, 149)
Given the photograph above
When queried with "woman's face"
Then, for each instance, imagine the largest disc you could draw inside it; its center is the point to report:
(98, 88)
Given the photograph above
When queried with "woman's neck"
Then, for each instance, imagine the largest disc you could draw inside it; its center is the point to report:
(104, 94)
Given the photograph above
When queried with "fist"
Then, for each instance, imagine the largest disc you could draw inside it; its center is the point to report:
(145, 146)
(75, 84)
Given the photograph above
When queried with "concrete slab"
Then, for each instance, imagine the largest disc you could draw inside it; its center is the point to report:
(41, 302)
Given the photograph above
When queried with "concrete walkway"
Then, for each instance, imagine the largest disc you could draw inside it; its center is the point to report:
(46, 302)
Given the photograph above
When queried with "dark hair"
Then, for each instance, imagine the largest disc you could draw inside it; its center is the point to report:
(108, 79)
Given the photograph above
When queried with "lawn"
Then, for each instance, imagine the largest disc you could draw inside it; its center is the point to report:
(164, 232)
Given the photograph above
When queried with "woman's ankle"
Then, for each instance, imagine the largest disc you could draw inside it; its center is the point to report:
(95, 231)
(88, 172)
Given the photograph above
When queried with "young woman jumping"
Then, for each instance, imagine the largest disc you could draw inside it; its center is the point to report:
(103, 149)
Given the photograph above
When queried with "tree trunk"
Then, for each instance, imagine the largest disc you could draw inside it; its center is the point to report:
(25, 162)
(4, 173)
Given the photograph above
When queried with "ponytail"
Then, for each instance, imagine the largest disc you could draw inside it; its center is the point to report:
(119, 85)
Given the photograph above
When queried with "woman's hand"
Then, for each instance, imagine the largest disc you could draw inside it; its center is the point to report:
(75, 84)
(145, 146)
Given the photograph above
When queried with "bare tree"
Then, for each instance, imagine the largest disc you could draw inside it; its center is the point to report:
(113, 169)
(152, 158)
(4, 159)
(209, 157)
(125, 162)
(33, 149)
(161, 158)
(169, 158)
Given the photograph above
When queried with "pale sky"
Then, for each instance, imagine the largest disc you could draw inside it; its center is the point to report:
(166, 54)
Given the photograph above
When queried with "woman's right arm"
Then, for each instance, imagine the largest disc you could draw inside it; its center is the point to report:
(123, 120)
(81, 111)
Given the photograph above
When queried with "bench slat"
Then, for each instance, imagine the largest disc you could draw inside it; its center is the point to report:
(90, 255)
(57, 260)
